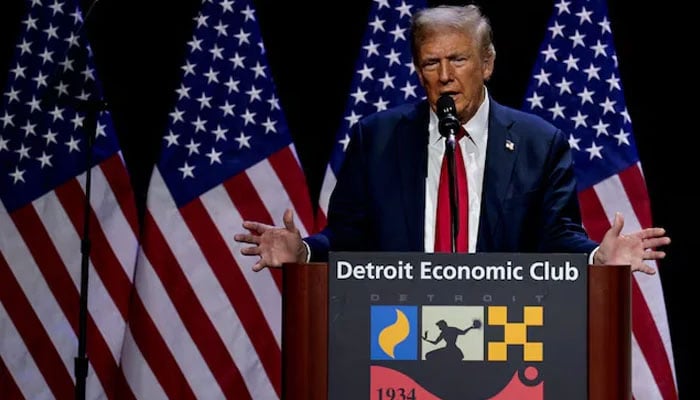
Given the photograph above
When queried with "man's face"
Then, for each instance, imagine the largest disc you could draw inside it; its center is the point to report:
(449, 62)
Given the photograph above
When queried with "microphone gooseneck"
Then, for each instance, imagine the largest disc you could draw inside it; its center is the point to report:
(449, 126)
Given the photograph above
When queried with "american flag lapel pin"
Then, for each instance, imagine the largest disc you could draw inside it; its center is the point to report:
(510, 145)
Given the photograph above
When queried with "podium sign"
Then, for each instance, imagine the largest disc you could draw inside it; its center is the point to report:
(420, 326)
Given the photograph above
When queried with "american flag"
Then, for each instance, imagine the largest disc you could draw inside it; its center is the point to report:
(43, 170)
(576, 85)
(202, 323)
(384, 78)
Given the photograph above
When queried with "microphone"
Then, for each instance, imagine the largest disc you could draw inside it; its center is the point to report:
(448, 123)
(449, 126)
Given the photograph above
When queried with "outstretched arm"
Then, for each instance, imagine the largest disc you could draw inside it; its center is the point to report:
(274, 245)
(632, 249)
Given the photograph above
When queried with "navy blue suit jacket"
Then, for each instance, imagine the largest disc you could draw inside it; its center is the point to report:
(529, 201)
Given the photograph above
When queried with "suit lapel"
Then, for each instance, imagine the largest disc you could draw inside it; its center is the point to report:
(501, 152)
(413, 159)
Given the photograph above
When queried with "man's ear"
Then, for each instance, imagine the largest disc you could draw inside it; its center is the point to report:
(487, 66)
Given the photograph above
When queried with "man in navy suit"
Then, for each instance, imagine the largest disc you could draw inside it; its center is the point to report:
(520, 184)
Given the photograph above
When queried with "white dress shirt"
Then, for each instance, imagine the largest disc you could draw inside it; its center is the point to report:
(474, 157)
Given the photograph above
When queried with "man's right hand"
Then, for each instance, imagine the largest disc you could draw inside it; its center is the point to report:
(274, 245)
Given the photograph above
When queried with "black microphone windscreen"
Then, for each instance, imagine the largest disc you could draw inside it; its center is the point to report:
(445, 106)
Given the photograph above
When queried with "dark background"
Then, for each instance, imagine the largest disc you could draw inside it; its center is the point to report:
(140, 45)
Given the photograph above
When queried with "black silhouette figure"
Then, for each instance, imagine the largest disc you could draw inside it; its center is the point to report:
(449, 334)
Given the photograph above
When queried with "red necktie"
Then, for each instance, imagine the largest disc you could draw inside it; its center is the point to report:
(443, 231)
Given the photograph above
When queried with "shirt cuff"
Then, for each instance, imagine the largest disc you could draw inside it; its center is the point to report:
(308, 251)
(591, 256)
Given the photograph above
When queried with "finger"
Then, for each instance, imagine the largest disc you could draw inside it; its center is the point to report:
(251, 251)
(642, 267)
(255, 227)
(656, 242)
(617, 225)
(654, 255)
(246, 238)
(288, 219)
(258, 266)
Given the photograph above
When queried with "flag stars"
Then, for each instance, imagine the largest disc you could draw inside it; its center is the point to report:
(601, 128)
(204, 101)
(18, 71)
(237, 61)
(577, 39)
(195, 44)
(243, 141)
(57, 7)
(353, 118)
(571, 63)
(199, 124)
(183, 92)
(216, 52)
(377, 24)
(393, 57)
(28, 129)
(3, 144)
(67, 64)
(274, 102)
(584, 16)
(248, 117)
(409, 90)
(381, 4)
(23, 151)
(371, 48)
(242, 37)
(188, 68)
(599, 49)
(259, 70)
(254, 94)
(387, 81)
(542, 77)
(604, 25)
(7, 120)
(365, 73)
(608, 106)
(12, 95)
(212, 76)
(398, 33)
(359, 95)
(622, 137)
(579, 119)
(61, 89)
(404, 9)
(586, 96)
(25, 47)
(563, 7)
(594, 151)
(270, 125)
(57, 113)
(249, 13)
(50, 137)
(77, 121)
(613, 82)
(187, 170)
(72, 40)
(535, 101)
(100, 130)
(380, 104)
(219, 133)
(345, 141)
(46, 56)
(557, 110)
(45, 160)
(51, 32)
(176, 115)
(226, 5)
(626, 115)
(227, 108)
(592, 72)
(72, 144)
(192, 147)
(214, 156)
(201, 20)
(557, 30)
(171, 138)
(564, 86)
(232, 85)
(17, 175)
(89, 74)
(573, 142)
(222, 30)
(549, 53)
(30, 23)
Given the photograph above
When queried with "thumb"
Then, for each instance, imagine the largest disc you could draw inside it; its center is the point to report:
(288, 219)
(618, 223)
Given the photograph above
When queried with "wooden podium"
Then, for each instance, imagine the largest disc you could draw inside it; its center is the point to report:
(305, 329)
